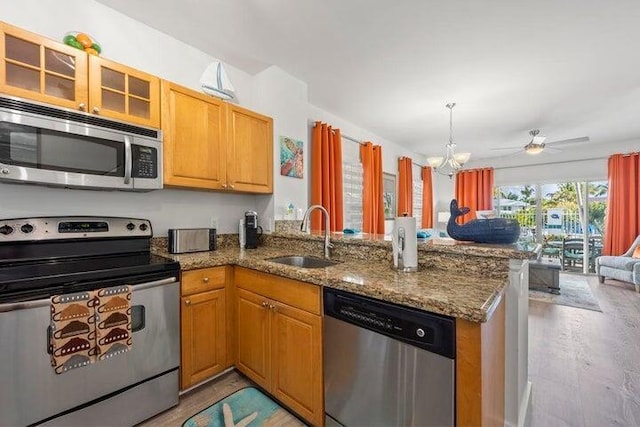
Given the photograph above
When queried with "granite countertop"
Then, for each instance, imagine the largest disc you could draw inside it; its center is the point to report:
(452, 294)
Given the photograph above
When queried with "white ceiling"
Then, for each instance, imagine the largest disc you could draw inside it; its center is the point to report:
(568, 67)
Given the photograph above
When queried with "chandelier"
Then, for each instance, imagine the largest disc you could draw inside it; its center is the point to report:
(451, 162)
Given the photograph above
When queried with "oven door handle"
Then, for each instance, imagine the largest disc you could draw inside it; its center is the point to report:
(23, 305)
(128, 159)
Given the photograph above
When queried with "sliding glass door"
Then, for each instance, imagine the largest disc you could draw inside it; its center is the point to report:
(567, 218)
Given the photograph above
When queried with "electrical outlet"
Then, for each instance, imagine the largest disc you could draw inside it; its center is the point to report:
(214, 222)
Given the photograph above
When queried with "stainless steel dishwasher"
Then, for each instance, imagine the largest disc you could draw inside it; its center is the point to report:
(385, 364)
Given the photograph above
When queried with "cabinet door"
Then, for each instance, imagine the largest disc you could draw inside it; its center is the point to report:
(250, 154)
(123, 93)
(254, 352)
(194, 128)
(297, 361)
(203, 337)
(37, 68)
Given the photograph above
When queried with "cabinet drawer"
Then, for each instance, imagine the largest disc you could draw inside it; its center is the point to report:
(204, 279)
(297, 294)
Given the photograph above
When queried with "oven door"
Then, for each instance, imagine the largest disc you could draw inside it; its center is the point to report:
(32, 392)
(46, 150)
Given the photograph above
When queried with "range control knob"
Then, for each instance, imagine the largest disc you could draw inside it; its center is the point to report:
(143, 227)
(5, 171)
(6, 229)
(131, 226)
(26, 228)
(420, 332)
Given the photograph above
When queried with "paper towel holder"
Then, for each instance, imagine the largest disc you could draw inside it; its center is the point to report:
(399, 245)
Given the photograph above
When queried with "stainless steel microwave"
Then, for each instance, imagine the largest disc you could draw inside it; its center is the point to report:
(40, 144)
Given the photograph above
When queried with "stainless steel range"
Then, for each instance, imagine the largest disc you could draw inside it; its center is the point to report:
(43, 257)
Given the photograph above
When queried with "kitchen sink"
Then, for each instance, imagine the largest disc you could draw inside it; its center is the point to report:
(304, 261)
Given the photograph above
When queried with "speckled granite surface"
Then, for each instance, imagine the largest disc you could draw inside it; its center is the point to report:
(462, 282)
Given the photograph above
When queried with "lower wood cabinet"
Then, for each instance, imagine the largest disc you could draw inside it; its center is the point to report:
(203, 325)
(279, 345)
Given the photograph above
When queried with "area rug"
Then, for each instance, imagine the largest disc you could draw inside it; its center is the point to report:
(574, 292)
(246, 407)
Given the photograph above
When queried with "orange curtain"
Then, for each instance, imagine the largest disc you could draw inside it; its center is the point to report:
(326, 176)
(474, 189)
(372, 206)
(405, 187)
(623, 204)
(427, 198)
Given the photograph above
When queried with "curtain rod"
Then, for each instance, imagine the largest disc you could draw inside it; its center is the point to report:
(351, 139)
(347, 137)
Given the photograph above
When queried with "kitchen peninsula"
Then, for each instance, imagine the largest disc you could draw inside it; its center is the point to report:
(480, 286)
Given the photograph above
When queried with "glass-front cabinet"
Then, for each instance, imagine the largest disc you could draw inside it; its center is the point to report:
(40, 69)
(34, 67)
(123, 93)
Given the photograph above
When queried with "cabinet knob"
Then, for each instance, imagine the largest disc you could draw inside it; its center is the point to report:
(205, 279)
(224, 185)
(96, 110)
(187, 302)
(82, 106)
(265, 304)
(232, 186)
(272, 307)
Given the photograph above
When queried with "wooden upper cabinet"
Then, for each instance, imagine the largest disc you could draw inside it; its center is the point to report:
(250, 152)
(37, 68)
(34, 67)
(123, 93)
(213, 145)
(194, 127)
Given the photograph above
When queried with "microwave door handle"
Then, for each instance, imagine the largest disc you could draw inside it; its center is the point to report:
(128, 159)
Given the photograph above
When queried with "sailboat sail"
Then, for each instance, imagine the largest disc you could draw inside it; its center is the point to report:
(216, 82)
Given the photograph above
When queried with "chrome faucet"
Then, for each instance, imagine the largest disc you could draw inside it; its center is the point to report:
(305, 226)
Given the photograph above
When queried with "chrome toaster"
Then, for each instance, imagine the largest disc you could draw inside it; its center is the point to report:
(182, 240)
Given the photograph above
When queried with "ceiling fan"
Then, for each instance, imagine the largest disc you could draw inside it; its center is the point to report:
(537, 144)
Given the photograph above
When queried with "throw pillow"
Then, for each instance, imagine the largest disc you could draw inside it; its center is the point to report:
(636, 253)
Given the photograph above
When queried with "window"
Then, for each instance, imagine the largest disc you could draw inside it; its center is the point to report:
(352, 182)
(417, 194)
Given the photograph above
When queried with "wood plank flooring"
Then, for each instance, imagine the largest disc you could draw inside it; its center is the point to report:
(585, 365)
(196, 400)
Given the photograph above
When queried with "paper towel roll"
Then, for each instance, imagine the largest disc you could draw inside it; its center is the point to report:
(410, 255)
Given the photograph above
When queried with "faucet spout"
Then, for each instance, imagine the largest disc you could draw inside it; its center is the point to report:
(304, 226)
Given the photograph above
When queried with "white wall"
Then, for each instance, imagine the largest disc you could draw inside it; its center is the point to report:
(283, 97)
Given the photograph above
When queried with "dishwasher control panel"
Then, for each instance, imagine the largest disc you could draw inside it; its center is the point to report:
(432, 332)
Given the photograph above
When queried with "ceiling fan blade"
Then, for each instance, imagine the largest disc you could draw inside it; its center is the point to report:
(508, 148)
(552, 150)
(570, 141)
(537, 140)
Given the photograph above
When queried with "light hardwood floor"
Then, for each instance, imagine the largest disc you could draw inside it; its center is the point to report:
(196, 400)
(585, 365)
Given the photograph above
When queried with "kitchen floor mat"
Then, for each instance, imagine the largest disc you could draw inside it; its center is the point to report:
(246, 407)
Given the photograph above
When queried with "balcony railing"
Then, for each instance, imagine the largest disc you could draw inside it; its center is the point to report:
(570, 222)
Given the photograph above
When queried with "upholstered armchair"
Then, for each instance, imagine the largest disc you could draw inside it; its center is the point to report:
(624, 267)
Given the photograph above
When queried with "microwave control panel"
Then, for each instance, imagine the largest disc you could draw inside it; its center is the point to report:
(145, 162)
